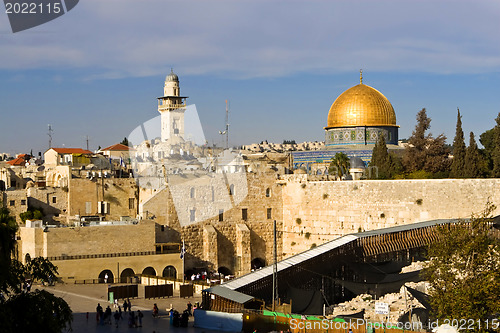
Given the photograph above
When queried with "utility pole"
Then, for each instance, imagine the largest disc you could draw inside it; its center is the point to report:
(275, 269)
(87, 140)
(226, 131)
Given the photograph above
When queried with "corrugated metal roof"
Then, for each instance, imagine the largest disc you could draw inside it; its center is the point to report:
(229, 294)
(323, 248)
(288, 262)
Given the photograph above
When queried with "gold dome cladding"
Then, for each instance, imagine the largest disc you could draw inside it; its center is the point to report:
(361, 105)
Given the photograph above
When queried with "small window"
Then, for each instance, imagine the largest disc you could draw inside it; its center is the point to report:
(13, 183)
(162, 228)
(231, 189)
(192, 193)
(244, 214)
(131, 203)
(269, 213)
(23, 202)
(54, 199)
(12, 203)
(221, 215)
(192, 215)
(88, 207)
(268, 192)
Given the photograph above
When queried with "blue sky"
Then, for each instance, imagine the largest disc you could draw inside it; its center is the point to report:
(98, 69)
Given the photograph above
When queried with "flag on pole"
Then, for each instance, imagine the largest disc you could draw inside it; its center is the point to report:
(183, 250)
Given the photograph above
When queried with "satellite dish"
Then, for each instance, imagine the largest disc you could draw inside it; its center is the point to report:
(40, 168)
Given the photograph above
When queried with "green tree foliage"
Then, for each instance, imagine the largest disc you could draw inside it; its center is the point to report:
(425, 152)
(474, 163)
(495, 155)
(339, 165)
(464, 271)
(21, 311)
(31, 214)
(488, 142)
(458, 163)
(125, 141)
(387, 164)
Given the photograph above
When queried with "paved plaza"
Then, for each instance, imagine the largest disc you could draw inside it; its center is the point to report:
(84, 298)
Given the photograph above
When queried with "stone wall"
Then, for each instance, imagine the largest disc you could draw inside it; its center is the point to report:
(16, 201)
(262, 193)
(84, 194)
(100, 239)
(316, 212)
(53, 201)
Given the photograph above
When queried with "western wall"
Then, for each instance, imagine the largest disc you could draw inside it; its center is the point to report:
(318, 211)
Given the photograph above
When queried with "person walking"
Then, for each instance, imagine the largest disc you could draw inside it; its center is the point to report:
(125, 305)
(155, 311)
(117, 318)
(139, 316)
(129, 305)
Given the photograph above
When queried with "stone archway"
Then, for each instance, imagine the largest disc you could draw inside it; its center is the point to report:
(106, 276)
(149, 271)
(170, 272)
(126, 275)
(258, 263)
(225, 271)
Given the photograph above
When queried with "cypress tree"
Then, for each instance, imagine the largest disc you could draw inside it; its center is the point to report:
(496, 149)
(380, 158)
(473, 160)
(458, 163)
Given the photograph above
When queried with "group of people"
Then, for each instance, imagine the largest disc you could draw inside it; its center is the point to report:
(105, 317)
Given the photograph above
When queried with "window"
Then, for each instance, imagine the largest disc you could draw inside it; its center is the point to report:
(54, 199)
(221, 215)
(23, 202)
(268, 192)
(88, 207)
(13, 183)
(131, 203)
(269, 213)
(12, 203)
(231, 189)
(244, 214)
(192, 193)
(192, 215)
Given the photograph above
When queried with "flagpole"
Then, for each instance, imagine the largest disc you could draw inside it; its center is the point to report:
(183, 251)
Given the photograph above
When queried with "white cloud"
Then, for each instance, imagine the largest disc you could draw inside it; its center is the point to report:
(111, 39)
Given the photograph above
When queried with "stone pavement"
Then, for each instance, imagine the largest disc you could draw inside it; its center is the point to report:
(84, 298)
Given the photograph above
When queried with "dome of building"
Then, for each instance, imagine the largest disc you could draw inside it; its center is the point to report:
(356, 163)
(361, 105)
(172, 77)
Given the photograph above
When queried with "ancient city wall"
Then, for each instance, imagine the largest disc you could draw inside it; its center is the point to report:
(315, 212)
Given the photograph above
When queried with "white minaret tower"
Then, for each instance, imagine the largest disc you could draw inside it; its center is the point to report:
(171, 107)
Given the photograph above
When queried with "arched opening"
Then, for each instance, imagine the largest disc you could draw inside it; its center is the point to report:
(191, 194)
(27, 258)
(149, 271)
(268, 192)
(231, 189)
(224, 271)
(170, 272)
(106, 276)
(258, 263)
(126, 275)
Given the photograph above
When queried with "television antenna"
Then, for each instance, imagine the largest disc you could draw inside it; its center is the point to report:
(49, 133)
(226, 131)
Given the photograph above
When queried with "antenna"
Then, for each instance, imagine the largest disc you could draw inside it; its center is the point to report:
(49, 133)
(87, 140)
(226, 131)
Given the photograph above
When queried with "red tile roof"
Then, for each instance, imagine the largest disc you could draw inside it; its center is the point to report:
(17, 161)
(71, 151)
(117, 147)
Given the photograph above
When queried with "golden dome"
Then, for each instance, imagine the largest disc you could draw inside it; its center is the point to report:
(361, 105)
